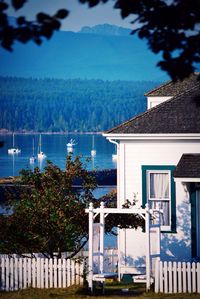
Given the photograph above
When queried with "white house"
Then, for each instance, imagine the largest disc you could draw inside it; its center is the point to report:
(159, 160)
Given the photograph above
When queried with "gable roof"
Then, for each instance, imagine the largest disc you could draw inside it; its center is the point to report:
(180, 114)
(188, 166)
(172, 89)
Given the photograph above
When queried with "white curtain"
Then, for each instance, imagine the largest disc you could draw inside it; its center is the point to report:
(159, 189)
(159, 185)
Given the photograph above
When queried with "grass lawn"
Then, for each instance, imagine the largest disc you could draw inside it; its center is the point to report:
(111, 291)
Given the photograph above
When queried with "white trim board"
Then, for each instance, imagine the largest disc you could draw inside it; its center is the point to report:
(152, 136)
(187, 180)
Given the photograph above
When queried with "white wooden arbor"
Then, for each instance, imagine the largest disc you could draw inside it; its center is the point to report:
(103, 212)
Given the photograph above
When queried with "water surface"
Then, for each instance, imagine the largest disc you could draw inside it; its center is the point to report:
(54, 146)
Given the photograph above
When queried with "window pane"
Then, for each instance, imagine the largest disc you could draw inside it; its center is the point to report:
(159, 185)
(165, 207)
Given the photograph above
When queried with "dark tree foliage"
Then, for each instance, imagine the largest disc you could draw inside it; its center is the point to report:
(24, 30)
(121, 220)
(49, 215)
(170, 27)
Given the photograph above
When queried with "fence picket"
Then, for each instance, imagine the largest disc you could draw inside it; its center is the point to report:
(51, 273)
(46, 267)
(33, 272)
(73, 272)
(165, 277)
(189, 282)
(55, 278)
(161, 277)
(156, 289)
(81, 273)
(174, 277)
(59, 274)
(20, 273)
(38, 280)
(16, 273)
(11, 274)
(24, 273)
(193, 277)
(170, 276)
(184, 277)
(64, 273)
(3, 273)
(7, 273)
(29, 267)
(42, 273)
(179, 278)
(77, 273)
(68, 272)
(198, 277)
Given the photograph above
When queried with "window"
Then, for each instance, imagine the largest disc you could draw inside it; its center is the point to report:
(159, 192)
(158, 186)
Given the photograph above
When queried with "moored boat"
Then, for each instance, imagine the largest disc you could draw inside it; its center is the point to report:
(70, 145)
(93, 151)
(32, 159)
(14, 150)
(41, 155)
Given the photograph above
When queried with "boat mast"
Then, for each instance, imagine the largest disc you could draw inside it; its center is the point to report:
(33, 147)
(39, 144)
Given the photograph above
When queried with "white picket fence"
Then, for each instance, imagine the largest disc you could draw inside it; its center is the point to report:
(177, 277)
(21, 273)
(39, 272)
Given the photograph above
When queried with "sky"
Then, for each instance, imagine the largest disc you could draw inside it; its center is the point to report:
(80, 15)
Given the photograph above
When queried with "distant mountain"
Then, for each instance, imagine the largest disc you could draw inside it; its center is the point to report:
(106, 29)
(86, 56)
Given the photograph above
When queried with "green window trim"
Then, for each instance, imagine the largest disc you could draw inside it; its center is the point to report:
(170, 168)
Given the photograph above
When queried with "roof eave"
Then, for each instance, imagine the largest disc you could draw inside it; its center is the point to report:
(187, 179)
(132, 136)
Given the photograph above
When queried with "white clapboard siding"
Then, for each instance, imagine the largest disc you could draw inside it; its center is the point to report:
(177, 277)
(18, 273)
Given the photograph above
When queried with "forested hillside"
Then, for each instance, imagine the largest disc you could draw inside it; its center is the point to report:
(73, 105)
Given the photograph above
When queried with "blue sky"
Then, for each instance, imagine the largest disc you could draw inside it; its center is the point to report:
(80, 15)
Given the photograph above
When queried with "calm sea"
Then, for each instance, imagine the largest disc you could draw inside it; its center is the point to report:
(54, 147)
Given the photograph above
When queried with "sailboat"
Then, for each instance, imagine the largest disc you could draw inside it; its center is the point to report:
(33, 158)
(93, 151)
(14, 150)
(41, 155)
(70, 145)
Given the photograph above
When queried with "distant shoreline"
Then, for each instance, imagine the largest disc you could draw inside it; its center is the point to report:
(104, 177)
(5, 132)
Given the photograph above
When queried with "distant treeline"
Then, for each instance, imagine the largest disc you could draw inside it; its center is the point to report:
(55, 105)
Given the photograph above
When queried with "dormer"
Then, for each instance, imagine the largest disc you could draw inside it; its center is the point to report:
(170, 89)
(154, 101)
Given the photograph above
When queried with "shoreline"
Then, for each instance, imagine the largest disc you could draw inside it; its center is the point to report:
(104, 177)
(48, 133)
